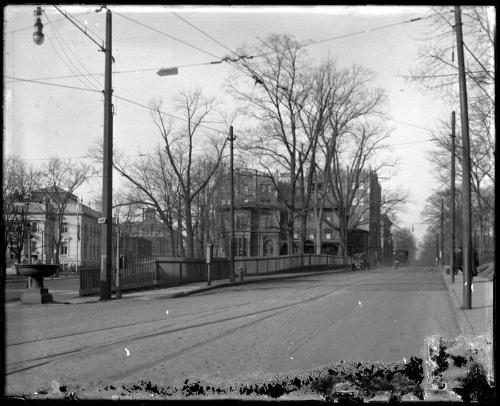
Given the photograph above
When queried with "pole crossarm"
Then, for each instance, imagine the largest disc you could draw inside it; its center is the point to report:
(101, 47)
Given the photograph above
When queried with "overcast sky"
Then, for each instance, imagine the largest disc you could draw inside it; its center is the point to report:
(43, 121)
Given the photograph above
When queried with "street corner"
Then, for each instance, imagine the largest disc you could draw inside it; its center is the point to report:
(459, 368)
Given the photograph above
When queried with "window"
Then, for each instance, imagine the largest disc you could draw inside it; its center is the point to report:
(34, 227)
(241, 221)
(64, 248)
(266, 190)
(240, 247)
(267, 221)
(64, 227)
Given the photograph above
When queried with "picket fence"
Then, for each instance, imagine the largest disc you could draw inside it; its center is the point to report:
(162, 272)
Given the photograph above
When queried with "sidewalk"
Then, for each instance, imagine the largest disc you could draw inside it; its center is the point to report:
(72, 296)
(479, 319)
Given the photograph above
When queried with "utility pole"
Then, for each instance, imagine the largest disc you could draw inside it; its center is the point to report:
(231, 168)
(78, 232)
(118, 270)
(441, 252)
(466, 213)
(107, 183)
(452, 256)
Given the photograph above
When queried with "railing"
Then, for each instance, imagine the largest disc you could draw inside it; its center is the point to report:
(162, 272)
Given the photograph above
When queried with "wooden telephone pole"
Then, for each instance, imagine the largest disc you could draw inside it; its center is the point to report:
(107, 183)
(452, 255)
(466, 189)
(441, 243)
(231, 169)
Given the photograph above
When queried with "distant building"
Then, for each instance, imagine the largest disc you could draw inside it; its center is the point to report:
(80, 233)
(145, 238)
(257, 215)
(260, 219)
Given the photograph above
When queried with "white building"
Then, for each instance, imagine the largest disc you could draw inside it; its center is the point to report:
(78, 228)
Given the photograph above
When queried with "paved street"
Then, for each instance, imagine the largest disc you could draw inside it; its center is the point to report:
(229, 333)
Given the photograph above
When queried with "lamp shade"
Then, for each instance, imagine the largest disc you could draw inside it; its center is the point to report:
(38, 36)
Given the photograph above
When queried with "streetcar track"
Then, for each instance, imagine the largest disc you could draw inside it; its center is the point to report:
(197, 313)
(98, 349)
(169, 357)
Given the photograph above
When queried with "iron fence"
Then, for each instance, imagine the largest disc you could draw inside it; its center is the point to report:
(162, 272)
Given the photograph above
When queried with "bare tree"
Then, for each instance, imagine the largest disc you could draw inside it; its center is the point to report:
(60, 180)
(151, 183)
(19, 181)
(428, 249)
(183, 157)
(394, 202)
(437, 69)
(350, 180)
(282, 102)
(482, 171)
(348, 145)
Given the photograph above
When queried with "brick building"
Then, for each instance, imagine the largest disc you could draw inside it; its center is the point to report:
(257, 215)
(260, 219)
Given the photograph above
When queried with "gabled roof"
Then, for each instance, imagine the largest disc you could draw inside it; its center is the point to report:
(53, 190)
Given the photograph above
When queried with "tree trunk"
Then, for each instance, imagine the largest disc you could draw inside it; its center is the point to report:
(189, 228)
(290, 232)
(319, 228)
(172, 241)
(180, 242)
(303, 233)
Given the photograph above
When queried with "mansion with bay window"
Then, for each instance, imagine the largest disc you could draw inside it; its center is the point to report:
(260, 220)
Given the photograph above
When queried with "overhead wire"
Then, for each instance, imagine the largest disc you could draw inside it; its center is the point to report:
(86, 27)
(218, 59)
(61, 40)
(465, 46)
(381, 27)
(101, 46)
(168, 114)
(52, 84)
(123, 71)
(117, 97)
(167, 35)
(31, 26)
(204, 33)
